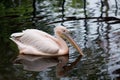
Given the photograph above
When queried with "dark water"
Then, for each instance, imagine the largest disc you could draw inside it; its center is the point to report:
(94, 25)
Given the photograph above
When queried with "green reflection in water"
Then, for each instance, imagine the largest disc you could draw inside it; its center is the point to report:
(14, 16)
(17, 15)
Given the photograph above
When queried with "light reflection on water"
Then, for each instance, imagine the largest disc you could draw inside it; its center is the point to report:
(91, 27)
(93, 37)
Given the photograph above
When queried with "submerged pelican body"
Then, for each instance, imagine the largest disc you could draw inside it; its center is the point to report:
(37, 42)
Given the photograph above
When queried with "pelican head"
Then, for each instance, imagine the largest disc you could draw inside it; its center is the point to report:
(63, 32)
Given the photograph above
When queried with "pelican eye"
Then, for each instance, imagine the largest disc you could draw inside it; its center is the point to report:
(64, 31)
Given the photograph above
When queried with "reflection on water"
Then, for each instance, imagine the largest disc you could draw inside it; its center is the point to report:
(37, 63)
(94, 25)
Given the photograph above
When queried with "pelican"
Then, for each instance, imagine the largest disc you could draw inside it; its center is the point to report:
(39, 43)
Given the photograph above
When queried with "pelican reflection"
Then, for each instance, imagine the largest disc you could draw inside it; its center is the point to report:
(38, 63)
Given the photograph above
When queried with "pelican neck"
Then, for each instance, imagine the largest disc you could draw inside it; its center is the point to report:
(62, 44)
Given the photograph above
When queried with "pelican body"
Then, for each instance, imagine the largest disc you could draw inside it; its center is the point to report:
(37, 42)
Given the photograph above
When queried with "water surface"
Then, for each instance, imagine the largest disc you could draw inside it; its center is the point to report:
(94, 25)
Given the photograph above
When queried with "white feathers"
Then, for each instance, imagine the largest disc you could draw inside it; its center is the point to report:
(38, 40)
(16, 35)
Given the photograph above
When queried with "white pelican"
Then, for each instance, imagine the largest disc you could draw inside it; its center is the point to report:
(36, 42)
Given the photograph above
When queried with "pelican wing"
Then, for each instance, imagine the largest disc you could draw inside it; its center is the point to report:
(38, 40)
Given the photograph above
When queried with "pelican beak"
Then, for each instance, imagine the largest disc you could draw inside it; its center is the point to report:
(67, 36)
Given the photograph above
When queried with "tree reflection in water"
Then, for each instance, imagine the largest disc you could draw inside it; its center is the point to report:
(94, 25)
